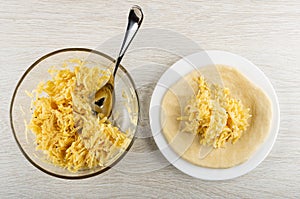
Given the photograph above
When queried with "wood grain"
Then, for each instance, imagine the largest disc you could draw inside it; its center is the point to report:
(267, 33)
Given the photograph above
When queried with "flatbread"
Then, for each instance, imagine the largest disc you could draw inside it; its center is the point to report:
(187, 145)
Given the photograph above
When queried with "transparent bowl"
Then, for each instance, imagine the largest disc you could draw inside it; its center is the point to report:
(20, 112)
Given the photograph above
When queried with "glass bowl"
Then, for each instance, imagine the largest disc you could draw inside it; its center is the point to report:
(125, 111)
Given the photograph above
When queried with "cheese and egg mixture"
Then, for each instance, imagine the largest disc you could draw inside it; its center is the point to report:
(215, 115)
(66, 128)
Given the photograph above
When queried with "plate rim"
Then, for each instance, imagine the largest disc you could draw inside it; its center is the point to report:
(210, 173)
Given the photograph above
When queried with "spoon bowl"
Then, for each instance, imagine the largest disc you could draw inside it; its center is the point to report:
(104, 97)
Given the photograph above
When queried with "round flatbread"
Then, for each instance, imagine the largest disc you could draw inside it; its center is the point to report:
(188, 146)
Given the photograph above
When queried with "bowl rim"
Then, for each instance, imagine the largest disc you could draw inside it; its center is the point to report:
(17, 88)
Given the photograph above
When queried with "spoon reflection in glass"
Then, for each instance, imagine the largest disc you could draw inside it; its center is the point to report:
(104, 97)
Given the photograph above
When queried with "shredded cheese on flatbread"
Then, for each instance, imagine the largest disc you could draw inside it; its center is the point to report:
(215, 115)
(66, 129)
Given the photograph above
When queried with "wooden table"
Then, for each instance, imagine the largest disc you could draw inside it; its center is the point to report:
(267, 33)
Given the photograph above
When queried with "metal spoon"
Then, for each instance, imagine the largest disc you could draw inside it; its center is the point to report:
(104, 97)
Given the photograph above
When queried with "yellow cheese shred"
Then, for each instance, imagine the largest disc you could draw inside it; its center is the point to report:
(66, 129)
(215, 115)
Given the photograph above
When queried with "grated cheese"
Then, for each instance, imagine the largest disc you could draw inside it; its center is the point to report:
(66, 129)
(215, 115)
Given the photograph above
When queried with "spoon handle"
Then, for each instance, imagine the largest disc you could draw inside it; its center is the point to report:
(135, 19)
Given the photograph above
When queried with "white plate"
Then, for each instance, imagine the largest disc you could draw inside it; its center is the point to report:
(185, 66)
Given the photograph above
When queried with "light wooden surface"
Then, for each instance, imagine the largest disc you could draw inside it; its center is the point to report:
(265, 32)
